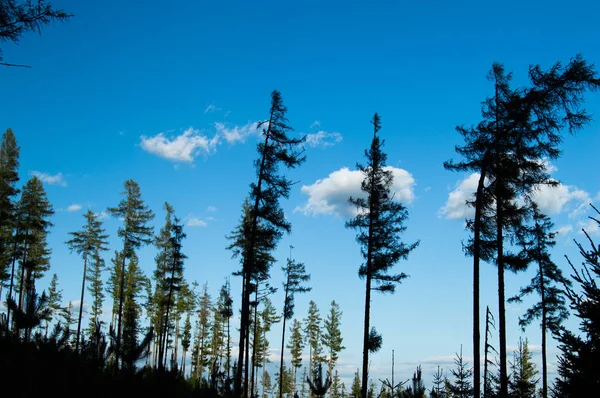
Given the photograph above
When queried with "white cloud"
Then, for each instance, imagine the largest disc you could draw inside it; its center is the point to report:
(56, 179)
(316, 123)
(237, 133)
(211, 209)
(456, 205)
(330, 195)
(182, 148)
(590, 226)
(196, 222)
(193, 221)
(211, 108)
(565, 229)
(323, 139)
(552, 200)
(74, 207)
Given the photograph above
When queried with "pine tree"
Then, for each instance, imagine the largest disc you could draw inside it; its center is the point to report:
(96, 288)
(578, 362)
(186, 340)
(488, 379)
(523, 382)
(551, 309)
(132, 349)
(54, 300)
(161, 287)
(332, 338)
(312, 330)
(226, 309)
(296, 346)
(33, 212)
(202, 349)
(86, 242)
(355, 389)
(113, 283)
(174, 277)
(507, 149)
(439, 382)
(135, 233)
(9, 177)
(295, 276)
(267, 388)
(380, 222)
(265, 214)
(461, 386)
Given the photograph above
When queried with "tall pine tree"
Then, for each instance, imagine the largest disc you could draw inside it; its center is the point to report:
(87, 242)
(277, 148)
(135, 233)
(380, 222)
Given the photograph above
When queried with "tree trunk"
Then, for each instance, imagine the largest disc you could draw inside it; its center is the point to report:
(121, 299)
(476, 261)
(175, 346)
(365, 365)
(254, 343)
(81, 304)
(544, 322)
(10, 290)
(281, 361)
(501, 303)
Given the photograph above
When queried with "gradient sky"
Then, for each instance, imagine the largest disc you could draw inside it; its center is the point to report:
(169, 95)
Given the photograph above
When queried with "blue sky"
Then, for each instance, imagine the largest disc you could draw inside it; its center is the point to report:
(168, 96)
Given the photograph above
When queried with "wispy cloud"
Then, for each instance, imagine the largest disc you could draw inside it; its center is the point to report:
(196, 222)
(590, 226)
(51, 179)
(236, 133)
(314, 124)
(211, 209)
(330, 195)
(181, 148)
(323, 139)
(211, 108)
(565, 229)
(74, 207)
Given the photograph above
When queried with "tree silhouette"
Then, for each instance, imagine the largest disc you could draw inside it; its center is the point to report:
(266, 220)
(521, 128)
(552, 308)
(295, 276)
(318, 386)
(16, 19)
(135, 233)
(380, 222)
(578, 362)
(86, 243)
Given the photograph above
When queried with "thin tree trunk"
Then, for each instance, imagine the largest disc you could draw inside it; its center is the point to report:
(485, 360)
(247, 358)
(501, 301)
(254, 344)
(365, 365)
(476, 261)
(81, 304)
(121, 299)
(281, 361)
(10, 290)
(176, 346)
(544, 322)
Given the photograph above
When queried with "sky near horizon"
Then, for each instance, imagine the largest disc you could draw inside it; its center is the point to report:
(169, 95)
